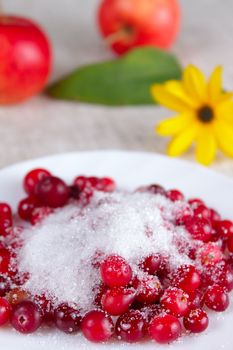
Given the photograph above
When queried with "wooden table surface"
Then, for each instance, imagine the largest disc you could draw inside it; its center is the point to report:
(43, 126)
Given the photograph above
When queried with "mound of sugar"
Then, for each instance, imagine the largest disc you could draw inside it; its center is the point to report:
(59, 253)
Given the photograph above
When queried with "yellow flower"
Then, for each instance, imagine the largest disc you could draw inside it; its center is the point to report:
(204, 114)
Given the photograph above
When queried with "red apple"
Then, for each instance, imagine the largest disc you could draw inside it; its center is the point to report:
(25, 59)
(130, 23)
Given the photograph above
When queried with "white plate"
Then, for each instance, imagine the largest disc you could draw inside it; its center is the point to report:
(130, 170)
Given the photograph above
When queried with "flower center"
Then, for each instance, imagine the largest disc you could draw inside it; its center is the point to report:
(205, 114)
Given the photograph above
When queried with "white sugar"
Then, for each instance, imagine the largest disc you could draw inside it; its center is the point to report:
(59, 252)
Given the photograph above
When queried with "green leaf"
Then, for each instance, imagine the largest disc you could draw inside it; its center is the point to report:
(124, 81)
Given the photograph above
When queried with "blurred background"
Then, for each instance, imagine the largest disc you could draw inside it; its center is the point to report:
(43, 126)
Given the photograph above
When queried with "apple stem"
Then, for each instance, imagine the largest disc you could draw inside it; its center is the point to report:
(123, 34)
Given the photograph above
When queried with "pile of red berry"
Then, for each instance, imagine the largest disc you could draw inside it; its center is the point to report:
(151, 302)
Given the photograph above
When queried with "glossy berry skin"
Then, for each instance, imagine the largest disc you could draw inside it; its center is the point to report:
(225, 229)
(202, 212)
(32, 178)
(106, 184)
(164, 328)
(117, 301)
(26, 207)
(52, 192)
(230, 244)
(187, 278)
(151, 264)
(149, 289)
(196, 321)
(115, 271)
(25, 59)
(199, 228)
(67, 319)
(135, 23)
(26, 317)
(131, 327)
(5, 211)
(216, 298)
(175, 195)
(97, 326)
(5, 258)
(5, 311)
(195, 202)
(175, 301)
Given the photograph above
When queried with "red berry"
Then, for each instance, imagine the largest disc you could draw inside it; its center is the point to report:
(175, 301)
(26, 207)
(195, 299)
(230, 244)
(97, 326)
(149, 289)
(5, 258)
(52, 192)
(106, 184)
(5, 311)
(32, 178)
(187, 278)
(216, 298)
(39, 214)
(196, 321)
(214, 217)
(165, 328)
(195, 202)
(184, 215)
(225, 229)
(81, 182)
(139, 23)
(175, 195)
(46, 307)
(115, 271)
(25, 59)
(210, 254)
(86, 195)
(26, 317)
(220, 273)
(117, 301)
(156, 189)
(151, 264)
(202, 212)
(5, 211)
(199, 228)
(5, 219)
(67, 319)
(5, 285)
(131, 326)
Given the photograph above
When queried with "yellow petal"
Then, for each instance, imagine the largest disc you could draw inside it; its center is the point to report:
(224, 111)
(195, 83)
(172, 126)
(182, 141)
(206, 145)
(215, 84)
(224, 135)
(169, 99)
